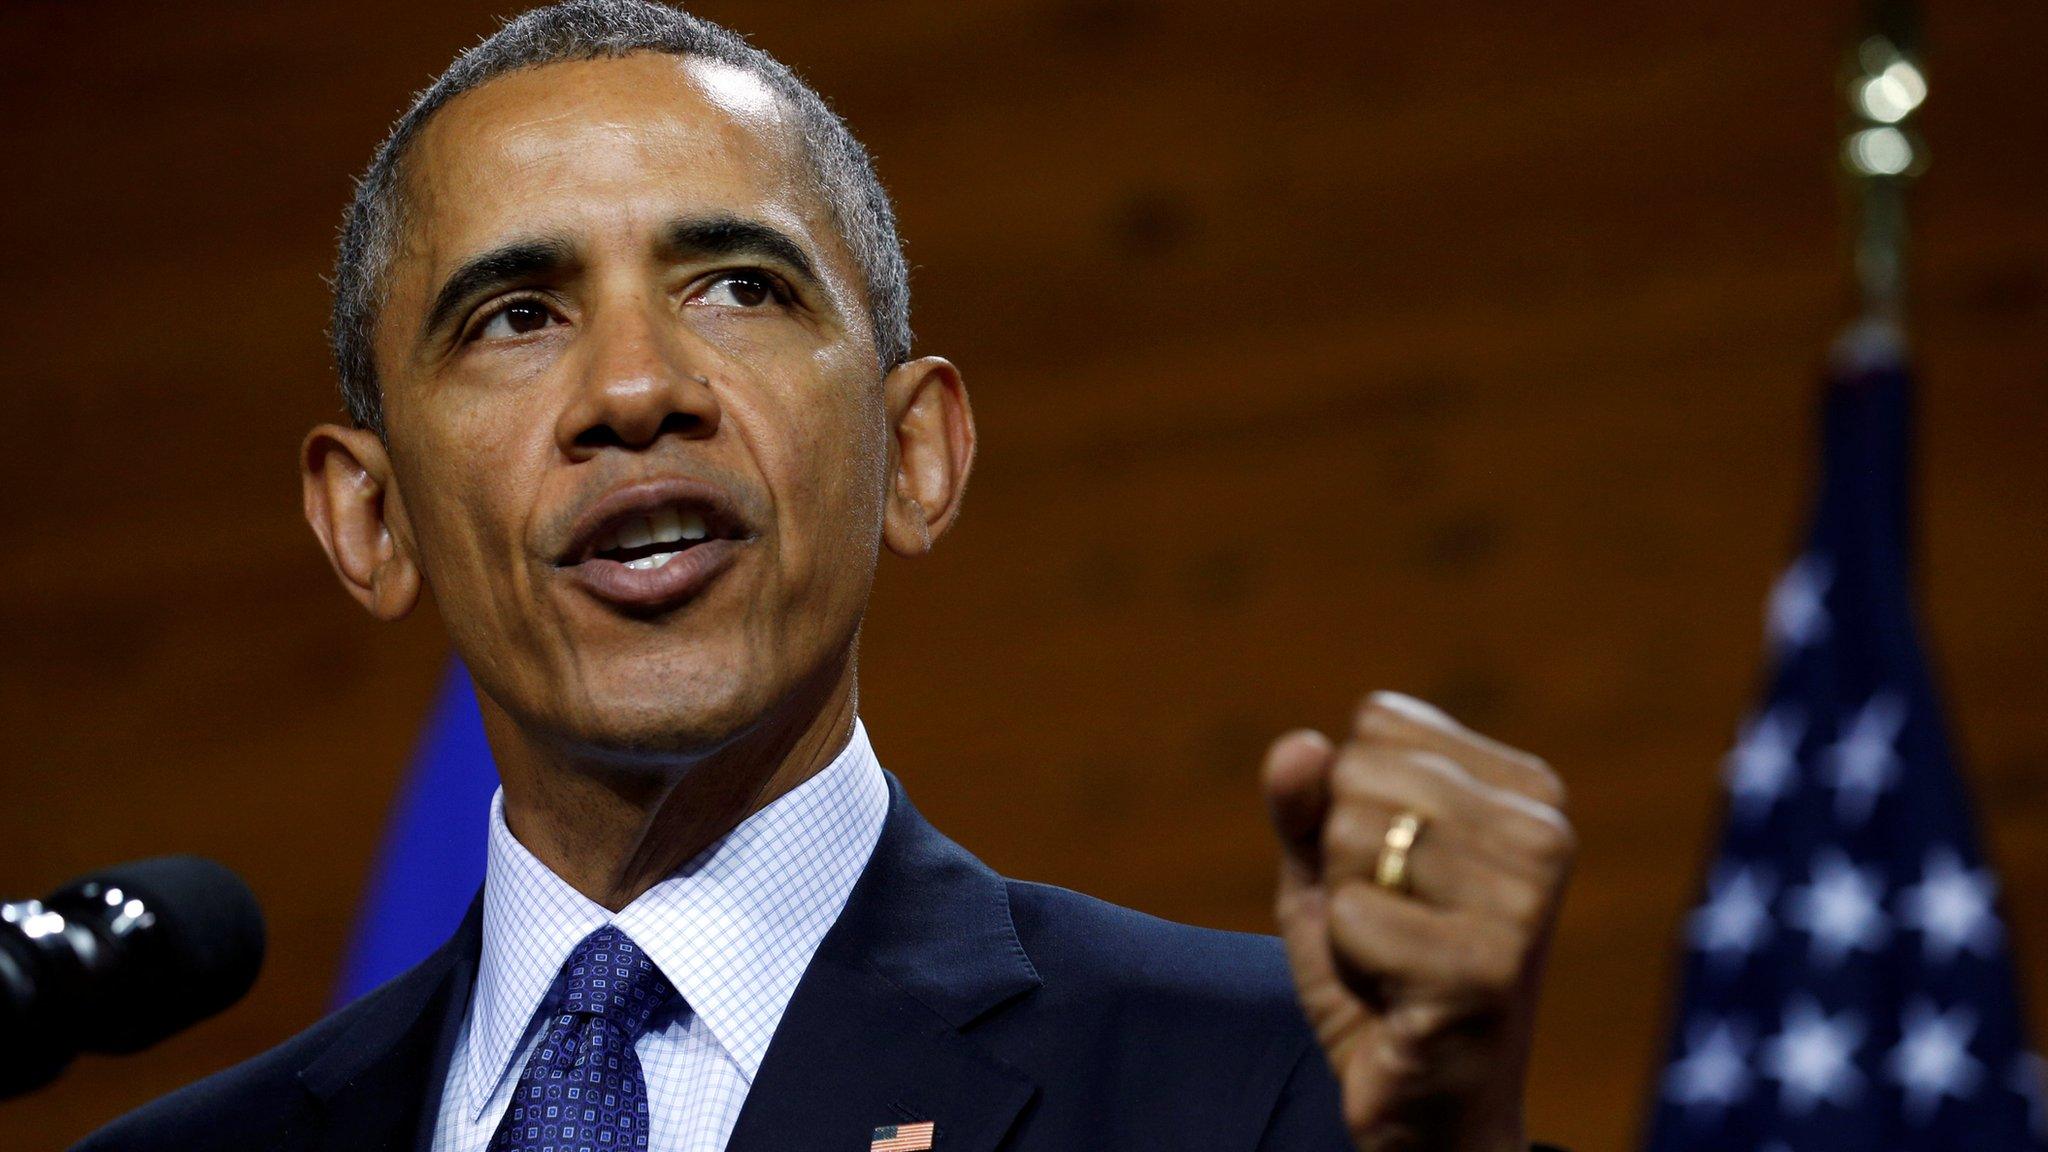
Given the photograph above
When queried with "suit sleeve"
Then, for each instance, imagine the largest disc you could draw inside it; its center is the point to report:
(1308, 1116)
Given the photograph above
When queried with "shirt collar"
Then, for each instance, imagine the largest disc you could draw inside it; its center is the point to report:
(733, 929)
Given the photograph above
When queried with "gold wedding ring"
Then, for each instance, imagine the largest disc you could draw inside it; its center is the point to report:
(1391, 872)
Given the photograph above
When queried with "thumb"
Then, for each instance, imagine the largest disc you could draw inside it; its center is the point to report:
(1296, 778)
(1296, 781)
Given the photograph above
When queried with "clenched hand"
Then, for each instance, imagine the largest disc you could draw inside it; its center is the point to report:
(1423, 993)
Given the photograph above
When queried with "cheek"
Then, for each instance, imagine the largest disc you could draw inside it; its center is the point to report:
(827, 477)
(476, 481)
(848, 460)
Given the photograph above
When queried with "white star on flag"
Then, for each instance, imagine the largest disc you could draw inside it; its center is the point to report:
(1736, 919)
(1933, 1058)
(1715, 1070)
(1951, 907)
(2030, 1080)
(1847, 980)
(1799, 611)
(1813, 1057)
(1864, 762)
(1841, 907)
(1762, 768)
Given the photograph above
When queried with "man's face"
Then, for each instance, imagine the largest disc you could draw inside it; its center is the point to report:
(635, 422)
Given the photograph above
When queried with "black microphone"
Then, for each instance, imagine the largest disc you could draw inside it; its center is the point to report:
(120, 959)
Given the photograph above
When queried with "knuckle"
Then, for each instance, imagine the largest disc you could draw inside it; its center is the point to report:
(1441, 770)
(1417, 1024)
(1388, 780)
(1542, 835)
(1525, 905)
(1448, 791)
(1357, 779)
(1396, 715)
(1346, 902)
(1412, 708)
(1352, 830)
(1493, 965)
(1545, 780)
(1354, 905)
(1556, 845)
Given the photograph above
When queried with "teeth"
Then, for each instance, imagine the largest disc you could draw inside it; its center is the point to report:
(636, 532)
(662, 526)
(672, 524)
(647, 562)
(666, 525)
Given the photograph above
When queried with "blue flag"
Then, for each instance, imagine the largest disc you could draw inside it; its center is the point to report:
(432, 860)
(1847, 985)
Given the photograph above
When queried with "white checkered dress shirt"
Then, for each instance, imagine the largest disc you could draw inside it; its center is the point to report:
(733, 930)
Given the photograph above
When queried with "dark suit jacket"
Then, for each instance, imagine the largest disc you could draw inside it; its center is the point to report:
(1012, 1015)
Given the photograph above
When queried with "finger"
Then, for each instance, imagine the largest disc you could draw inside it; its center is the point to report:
(1480, 849)
(1296, 780)
(1391, 949)
(1399, 719)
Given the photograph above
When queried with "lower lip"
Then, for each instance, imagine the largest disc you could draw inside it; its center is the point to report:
(652, 589)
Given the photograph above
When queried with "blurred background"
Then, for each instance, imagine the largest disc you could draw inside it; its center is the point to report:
(1317, 346)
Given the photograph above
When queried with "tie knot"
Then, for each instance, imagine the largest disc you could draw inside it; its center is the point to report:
(610, 977)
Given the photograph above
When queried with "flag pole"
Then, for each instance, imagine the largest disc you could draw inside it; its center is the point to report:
(1882, 152)
(1847, 983)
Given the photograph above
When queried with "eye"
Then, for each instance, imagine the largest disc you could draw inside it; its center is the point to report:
(515, 318)
(744, 289)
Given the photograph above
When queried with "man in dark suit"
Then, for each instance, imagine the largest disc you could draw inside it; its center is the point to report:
(622, 323)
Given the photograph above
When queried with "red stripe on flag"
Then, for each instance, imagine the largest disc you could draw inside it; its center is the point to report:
(908, 1138)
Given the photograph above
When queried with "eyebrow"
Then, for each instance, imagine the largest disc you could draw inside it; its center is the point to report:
(722, 235)
(486, 271)
(686, 238)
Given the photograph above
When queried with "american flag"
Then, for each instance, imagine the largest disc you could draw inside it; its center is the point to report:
(1846, 982)
(902, 1137)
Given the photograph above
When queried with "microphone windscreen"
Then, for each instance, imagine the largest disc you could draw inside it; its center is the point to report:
(199, 953)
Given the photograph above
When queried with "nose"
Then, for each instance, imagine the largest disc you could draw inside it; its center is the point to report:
(638, 383)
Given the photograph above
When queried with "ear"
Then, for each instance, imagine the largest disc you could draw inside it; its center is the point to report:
(931, 453)
(355, 511)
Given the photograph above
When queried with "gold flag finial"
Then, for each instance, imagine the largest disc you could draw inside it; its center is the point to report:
(1885, 87)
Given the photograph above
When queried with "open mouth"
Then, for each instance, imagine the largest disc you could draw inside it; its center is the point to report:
(650, 541)
(654, 545)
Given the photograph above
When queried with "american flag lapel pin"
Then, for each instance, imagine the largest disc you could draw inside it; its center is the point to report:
(903, 1137)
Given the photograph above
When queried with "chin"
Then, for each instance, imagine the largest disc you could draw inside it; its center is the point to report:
(668, 715)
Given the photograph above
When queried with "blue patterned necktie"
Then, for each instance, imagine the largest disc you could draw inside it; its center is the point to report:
(582, 1090)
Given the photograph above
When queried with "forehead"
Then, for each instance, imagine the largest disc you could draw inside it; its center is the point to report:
(612, 145)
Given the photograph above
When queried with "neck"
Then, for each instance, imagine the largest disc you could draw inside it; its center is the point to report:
(612, 831)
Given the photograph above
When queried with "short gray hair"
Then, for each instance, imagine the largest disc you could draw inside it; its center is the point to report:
(844, 175)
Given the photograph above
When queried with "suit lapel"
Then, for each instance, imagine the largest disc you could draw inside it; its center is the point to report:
(873, 1035)
(377, 1086)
